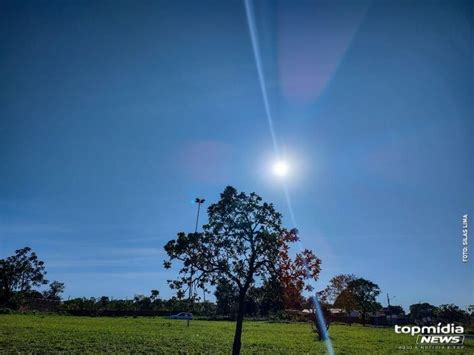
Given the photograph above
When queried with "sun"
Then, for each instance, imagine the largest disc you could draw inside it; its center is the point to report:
(281, 168)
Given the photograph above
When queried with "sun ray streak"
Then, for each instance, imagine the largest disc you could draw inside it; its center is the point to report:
(261, 78)
(256, 51)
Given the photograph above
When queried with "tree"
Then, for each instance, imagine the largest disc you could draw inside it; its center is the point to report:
(226, 298)
(103, 302)
(292, 273)
(347, 302)
(240, 243)
(271, 301)
(422, 313)
(54, 291)
(363, 293)
(155, 295)
(395, 310)
(470, 309)
(450, 313)
(336, 285)
(142, 303)
(19, 273)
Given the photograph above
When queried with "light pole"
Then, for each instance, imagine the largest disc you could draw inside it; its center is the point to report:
(389, 309)
(388, 299)
(199, 201)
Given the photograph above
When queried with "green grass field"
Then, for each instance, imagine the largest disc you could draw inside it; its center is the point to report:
(47, 333)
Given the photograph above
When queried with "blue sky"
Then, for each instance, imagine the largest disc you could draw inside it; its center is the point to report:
(114, 116)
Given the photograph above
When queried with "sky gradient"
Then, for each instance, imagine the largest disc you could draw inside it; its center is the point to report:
(115, 115)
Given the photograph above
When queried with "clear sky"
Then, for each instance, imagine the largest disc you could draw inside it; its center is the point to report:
(115, 115)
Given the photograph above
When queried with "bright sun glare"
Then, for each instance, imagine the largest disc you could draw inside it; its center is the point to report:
(281, 168)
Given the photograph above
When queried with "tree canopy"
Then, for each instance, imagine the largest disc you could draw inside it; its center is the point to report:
(19, 273)
(359, 294)
(336, 285)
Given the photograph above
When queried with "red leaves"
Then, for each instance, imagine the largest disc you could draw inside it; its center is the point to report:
(292, 273)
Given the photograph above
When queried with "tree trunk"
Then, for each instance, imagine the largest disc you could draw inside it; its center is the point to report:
(238, 328)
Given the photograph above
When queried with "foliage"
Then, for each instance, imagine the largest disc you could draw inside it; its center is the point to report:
(293, 274)
(18, 274)
(138, 303)
(155, 295)
(450, 313)
(395, 310)
(226, 298)
(279, 294)
(54, 291)
(270, 300)
(364, 293)
(335, 287)
(346, 301)
(422, 313)
(360, 294)
(470, 309)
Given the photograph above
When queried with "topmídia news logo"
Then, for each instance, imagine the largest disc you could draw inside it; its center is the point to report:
(435, 335)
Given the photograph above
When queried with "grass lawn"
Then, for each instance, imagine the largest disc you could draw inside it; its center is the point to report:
(45, 333)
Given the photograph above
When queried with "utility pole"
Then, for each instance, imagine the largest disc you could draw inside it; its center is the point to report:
(199, 201)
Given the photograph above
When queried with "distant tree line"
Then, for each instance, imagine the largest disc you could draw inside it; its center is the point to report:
(139, 305)
(426, 314)
(21, 273)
